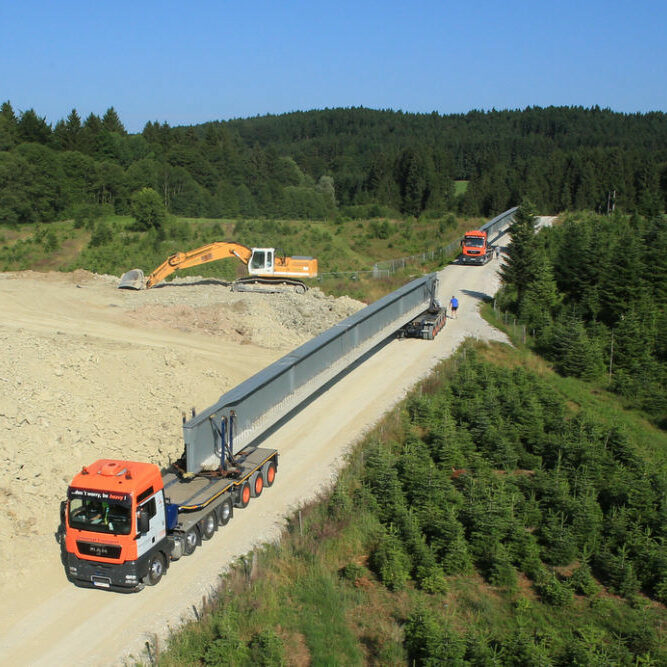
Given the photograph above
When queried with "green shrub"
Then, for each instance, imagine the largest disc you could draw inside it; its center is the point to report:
(552, 591)
(101, 235)
(51, 242)
(226, 649)
(390, 562)
(582, 581)
(148, 209)
(430, 642)
(267, 649)
(353, 572)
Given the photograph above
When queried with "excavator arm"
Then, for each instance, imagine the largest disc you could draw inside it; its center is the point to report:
(208, 253)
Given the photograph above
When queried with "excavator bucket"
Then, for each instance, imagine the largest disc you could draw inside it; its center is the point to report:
(133, 279)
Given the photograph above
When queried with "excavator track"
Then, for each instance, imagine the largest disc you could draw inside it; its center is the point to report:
(269, 285)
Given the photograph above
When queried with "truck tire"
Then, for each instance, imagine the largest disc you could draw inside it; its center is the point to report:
(243, 496)
(225, 512)
(209, 524)
(269, 472)
(257, 484)
(156, 569)
(190, 541)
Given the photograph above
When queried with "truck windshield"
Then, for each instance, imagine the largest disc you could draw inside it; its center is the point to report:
(474, 241)
(100, 516)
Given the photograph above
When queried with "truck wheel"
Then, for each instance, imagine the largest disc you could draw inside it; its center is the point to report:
(269, 473)
(225, 512)
(244, 496)
(190, 541)
(209, 525)
(258, 485)
(156, 569)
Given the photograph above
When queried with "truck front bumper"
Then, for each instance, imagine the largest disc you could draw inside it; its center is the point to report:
(472, 259)
(124, 577)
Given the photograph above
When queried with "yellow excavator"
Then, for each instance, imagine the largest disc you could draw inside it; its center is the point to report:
(267, 270)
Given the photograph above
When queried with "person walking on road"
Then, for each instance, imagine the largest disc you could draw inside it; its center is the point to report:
(454, 305)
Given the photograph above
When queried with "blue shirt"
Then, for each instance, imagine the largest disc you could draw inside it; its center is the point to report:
(454, 302)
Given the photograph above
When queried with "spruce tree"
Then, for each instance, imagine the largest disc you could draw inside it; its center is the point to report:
(8, 127)
(541, 297)
(521, 264)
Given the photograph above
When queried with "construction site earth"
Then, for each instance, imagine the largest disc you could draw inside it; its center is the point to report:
(89, 371)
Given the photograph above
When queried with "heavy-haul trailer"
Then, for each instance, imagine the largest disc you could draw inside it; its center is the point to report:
(426, 325)
(125, 521)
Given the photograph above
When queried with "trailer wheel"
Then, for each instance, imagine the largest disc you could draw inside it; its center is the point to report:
(156, 569)
(269, 471)
(243, 496)
(225, 512)
(257, 484)
(209, 525)
(190, 541)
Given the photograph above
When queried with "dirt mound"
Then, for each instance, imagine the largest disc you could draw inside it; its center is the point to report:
(268, 320)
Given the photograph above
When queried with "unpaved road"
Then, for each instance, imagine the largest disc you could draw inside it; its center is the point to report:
(124, 385)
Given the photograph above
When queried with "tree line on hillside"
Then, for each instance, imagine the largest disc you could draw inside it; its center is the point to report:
(593, 291)
(495, 477)
(317, 164)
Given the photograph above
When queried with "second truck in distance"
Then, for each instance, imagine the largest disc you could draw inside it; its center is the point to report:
(475, 248)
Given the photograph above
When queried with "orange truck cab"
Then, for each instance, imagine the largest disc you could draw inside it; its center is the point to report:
(115, 520)
(123, 521)
(475, 248)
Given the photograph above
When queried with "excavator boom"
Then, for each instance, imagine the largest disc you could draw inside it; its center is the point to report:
(207, 253)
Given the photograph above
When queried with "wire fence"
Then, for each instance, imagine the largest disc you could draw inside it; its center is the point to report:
(388, 267)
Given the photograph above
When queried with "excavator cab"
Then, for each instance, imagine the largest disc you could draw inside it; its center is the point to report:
(261, 262)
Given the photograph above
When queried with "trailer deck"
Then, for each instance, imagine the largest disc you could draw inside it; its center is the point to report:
(195, 495)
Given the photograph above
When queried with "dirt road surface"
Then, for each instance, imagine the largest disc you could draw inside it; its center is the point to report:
(90, 371)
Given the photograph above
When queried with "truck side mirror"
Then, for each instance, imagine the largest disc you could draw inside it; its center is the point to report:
(143, 522)
(63, 507)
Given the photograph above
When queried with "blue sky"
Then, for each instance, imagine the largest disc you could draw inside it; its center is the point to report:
(187, 63)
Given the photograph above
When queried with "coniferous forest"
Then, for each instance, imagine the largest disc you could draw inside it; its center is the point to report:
(592, 291)
(311, 164)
